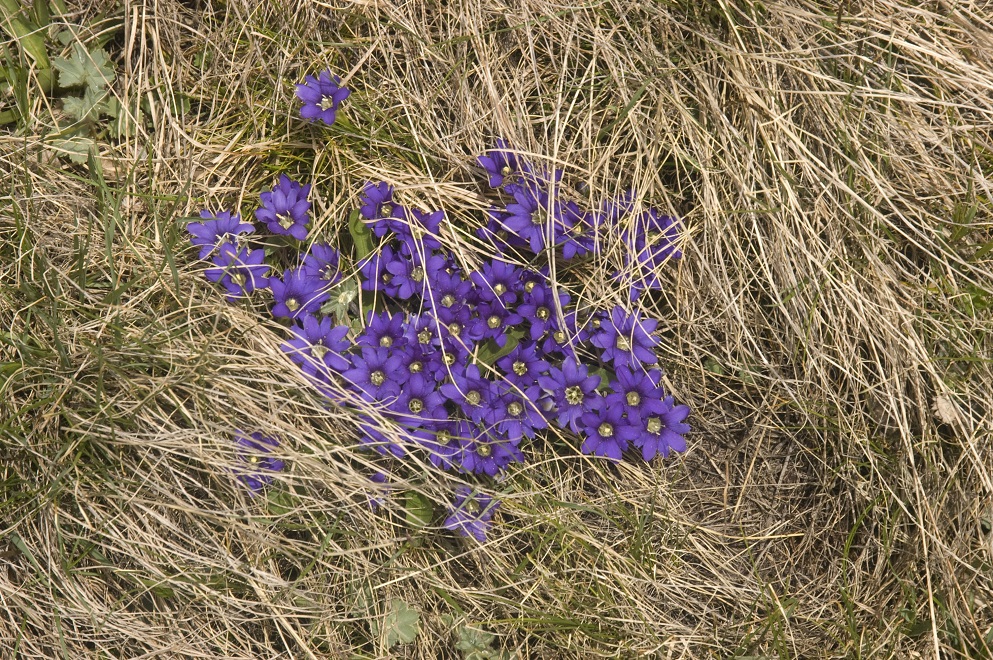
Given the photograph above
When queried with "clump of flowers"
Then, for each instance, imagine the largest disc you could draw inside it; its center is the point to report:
(464, 366)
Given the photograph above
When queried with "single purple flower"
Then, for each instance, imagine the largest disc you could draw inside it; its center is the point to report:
(253, 452)
(442, 448)
(539, 307)
(372, 434)
(410, 274)
(607, 432)
(379, 490)
(318, 347)
(499, 163)
(285, 208)
(527, 216)
(637, 392)
(419, 231)
(321, 97)
(322, 262)
(514, 413)
(572, 389)
(468, 391)
(377, 202)
(471, 513)
(297, 294)
(497, 281)
(238, 271)
(419, 403)
(214, 232)
(492, 322)
(626, 338)
(375, 275)
(523, 366)
(376, 371)
(447, 289)
(383, 330)
(662, 433)
(488, 454)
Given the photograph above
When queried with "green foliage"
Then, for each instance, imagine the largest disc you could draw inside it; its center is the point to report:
(400, 625)
(91, 69)
(475, 643)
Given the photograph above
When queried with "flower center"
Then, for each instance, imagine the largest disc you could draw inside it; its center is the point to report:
(559, 337)
(416, 367)
(328, 272)
(520, 368)
(318, 351)
(529, 286)
(447, 300)
(455, 329)
(499, 288)
(506, 170)
(417, 274)
(595, 323)
(574, 395)
(253, 459)
(415, 406)
(542, 313)
(622, 343)
(326, 103)
(292, 304)
(515, 408)
(387, 277)
(471, 507)
(654, 425)
(285, 220)
(424, 336)
(493, 322)
(385, 209)
(386, 341)
(605, 430)
(473, 398)
(377, 378)
(633, 398)
(238, 278)
(484, 450)
(448, 359)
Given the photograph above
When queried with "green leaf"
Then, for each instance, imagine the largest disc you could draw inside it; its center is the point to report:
(30, 37)
(362, 236)
(418, 510)
(489, 352)
(400, 623)
(76, 148)
(93, 69)
(90, 106)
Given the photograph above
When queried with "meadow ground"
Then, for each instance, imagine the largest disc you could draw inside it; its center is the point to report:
(829, 325)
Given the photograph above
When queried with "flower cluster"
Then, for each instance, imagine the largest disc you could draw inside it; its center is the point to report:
(465, 365)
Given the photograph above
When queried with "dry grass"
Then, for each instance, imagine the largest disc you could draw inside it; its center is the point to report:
(829, 325)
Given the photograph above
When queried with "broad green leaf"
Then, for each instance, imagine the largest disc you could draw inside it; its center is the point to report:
(93, 69)
(400, 623)
(28, 35)
(90, 106)
(489, 352)
(76, 148)
(417, 510)
(362, 236)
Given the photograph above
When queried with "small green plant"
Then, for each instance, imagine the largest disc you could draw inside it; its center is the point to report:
(475, 643)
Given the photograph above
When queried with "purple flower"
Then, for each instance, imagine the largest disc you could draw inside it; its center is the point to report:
(322, 263)
(419, 231)
(527, 215)
(419, 403)
(607, 432)
(662, 433)
(253, 452)
(238, 271)
(376, 371)
(318, 347)
(468, 391)
(499, 163)
(471, 513)
(496, 234)
(637, 393)
(522, 366)
(626, 339)
(383, 329)
(448, 289)
(375, 275)
(297, 294)
(497, 281)
(441, 445)
(492, 322)
(379, 490)
(539, 306)
(572, 390)
(410, 274)
(216, 231)
(514, 412)
(285, 208)
(572, 231)
(321, 97)
(372, 435)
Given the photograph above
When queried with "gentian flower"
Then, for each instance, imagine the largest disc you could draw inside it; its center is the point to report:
(253, 452)
(662, 433)
(514, 413)
(471, 513)
(216, 231)
(375, 275)
(383, 329)
(626, 339)
(448, 290)
(238, 271)
(495, 233)
(523, 366)
(637, 393)
(540, 309)
(492, 322)
(297, 294)
(419, 403)
(321, 97)
(527, 214)
(442, 449)
(318, 347)
(572, 390)
(499, 163)
(468, 391)
(285, 208)
(409, 275)
(377, 203)
(488, 454)
(607, 432)
(419, 231)
(322, 263)
(653, 243)
(376, 371)
(497, 281)
(372, 436)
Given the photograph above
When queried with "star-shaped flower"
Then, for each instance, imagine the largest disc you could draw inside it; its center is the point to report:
(321, 97)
